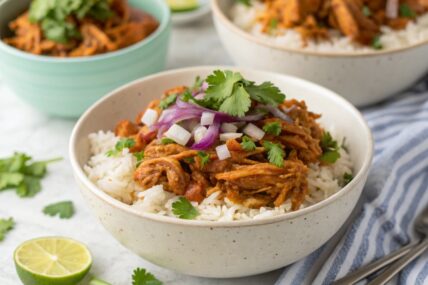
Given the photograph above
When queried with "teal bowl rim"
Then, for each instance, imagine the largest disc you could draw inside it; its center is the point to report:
(165, 22)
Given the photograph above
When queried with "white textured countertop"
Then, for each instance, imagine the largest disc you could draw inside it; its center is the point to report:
(23, 129)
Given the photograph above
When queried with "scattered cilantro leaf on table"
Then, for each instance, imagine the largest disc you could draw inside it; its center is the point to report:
(6, 225)
(142, 277)
(168, 101)
(247, 144)
(330, 149)
(65, 209)
(19, 173)
(273, 128)
(205, 158)
(275, 153)
(120, 146)
(183, 209)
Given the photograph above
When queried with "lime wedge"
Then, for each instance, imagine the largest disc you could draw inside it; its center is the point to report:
(52, 261)
(183, 5)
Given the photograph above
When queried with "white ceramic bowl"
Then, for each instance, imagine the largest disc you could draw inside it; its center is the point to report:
(222, 249)
(362, 78)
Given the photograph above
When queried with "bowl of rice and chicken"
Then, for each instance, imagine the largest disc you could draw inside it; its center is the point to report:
(363, 50)
(208, 161)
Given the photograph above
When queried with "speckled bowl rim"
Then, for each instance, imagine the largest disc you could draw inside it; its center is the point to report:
(218, 13)
(165, 22)
(83, 179)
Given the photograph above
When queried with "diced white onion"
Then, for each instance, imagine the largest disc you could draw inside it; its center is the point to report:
(179, 134)
(230, 136)
(150, 117)
(199, 133)
(222, 152)
(254, 132)
(207, 118)
(228, 128)
(165, 113)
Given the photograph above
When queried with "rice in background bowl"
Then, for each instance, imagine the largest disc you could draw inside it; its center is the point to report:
(362, 76)
(235, 248)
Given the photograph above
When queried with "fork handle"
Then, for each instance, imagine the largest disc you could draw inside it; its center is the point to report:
(375, 266)
(390, 272)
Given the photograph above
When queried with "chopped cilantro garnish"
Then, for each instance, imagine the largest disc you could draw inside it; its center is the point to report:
(377, 44)
(189, 160)
(247, 144)
(168, 101)
(183, 209)
(205, 158)
(142, 277)
(245, 2)
(166, 141)
(120, 146)
(406, 11)
(198, 83)
(347, 177)
(273, 128)
(275, 153)
(139, 156)
(65, 210)
(366, 11)
(273, 24)
(6, 225)
(330, 149)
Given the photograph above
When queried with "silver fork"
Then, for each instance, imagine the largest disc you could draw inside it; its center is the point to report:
(404, 255)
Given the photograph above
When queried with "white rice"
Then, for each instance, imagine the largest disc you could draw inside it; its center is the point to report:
(245, 18)
(114, 175)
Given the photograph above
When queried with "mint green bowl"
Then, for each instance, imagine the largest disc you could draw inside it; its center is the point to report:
(67, 87)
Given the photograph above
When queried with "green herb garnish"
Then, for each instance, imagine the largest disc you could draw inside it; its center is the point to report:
(19, 173)
(245, 2)
(120, 146)
(330, 149)
(168, 101)
(53, 15)
(189, 160)
(6, 225)
(205, 158)
(65, 210)
(366, 11)
(275, 153)
(406, 11)
(183, 209)
(273, 128)
(142, 277)
(377, 44)
(347, 177)
(139, 156)
(165, 141)
(273, 24)
(247, 144)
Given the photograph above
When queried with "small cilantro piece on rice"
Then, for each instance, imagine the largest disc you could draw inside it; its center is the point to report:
(330, 149)
(347, 177)
(120, 146)
(183, 209)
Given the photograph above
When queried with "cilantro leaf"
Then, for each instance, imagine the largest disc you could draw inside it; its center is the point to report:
(245, 2)
(120, 146)
(366, 11)
(189, 160)
(65, 210)
(248, 144)
(6, 225)
(39, 168)
(377, 44)
(221, 84)
(205, 158)
(275, 153)
(330, 149)
(29, 187)
(142, 277)
(238, 103)
(273, 128)
(10, 179)
(96, 281)
(347, 177)
(183, 209)
(198, 83)
(265, 93)
(139, 156)
(165, 141)
(406, 11)
(168, 101)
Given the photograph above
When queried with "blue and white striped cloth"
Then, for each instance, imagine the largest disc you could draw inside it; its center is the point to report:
(396, 191)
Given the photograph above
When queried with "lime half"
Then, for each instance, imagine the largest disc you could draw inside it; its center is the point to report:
(52, 261)
(183, 5)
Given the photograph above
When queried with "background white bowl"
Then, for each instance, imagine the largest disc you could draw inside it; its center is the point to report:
(362, 78)
(222, 249)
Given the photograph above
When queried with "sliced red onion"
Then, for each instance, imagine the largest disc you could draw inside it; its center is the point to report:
(254, 132)
(210, 137)
(277, 113)
(391, 11)
(150, 117)
(179, 134)
(230, 136)
(222, 152)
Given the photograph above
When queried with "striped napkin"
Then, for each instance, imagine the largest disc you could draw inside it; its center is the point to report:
(396, 191)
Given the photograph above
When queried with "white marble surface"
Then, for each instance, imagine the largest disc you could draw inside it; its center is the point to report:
(23, 129)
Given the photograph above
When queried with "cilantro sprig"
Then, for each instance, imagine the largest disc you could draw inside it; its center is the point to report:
(19, 173)
(273, 128)
(120, 146)
(6, 225)
(247, 144)
(183, 209)
(65, 210)
(406, 11)
(330, 149)
(54, 16)
(205, 158)
(165, 141)
(168, 101)
(275, 153)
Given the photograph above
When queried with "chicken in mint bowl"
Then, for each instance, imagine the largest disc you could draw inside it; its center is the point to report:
(210, 161)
